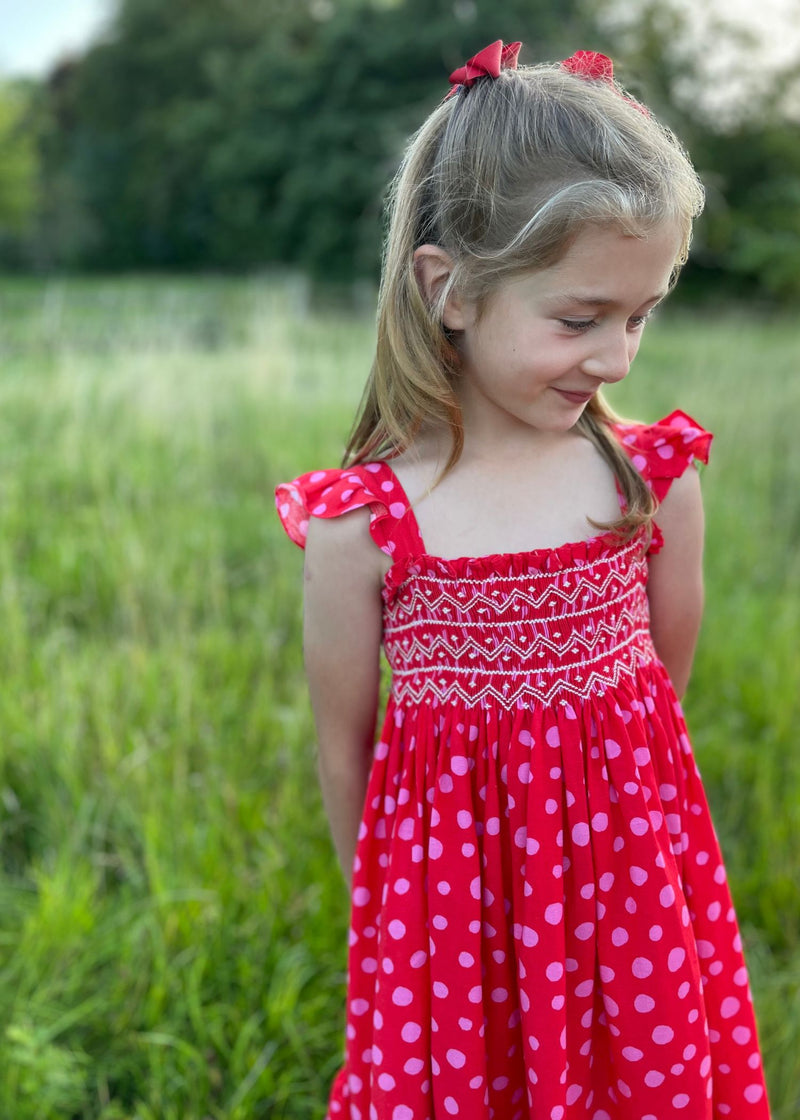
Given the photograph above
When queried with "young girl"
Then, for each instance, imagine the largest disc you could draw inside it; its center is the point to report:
(541, 926)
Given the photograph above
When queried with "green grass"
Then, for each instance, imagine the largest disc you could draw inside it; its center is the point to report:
(172, 922)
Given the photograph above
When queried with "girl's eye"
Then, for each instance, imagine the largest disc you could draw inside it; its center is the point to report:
(636, 322)
(641, 320)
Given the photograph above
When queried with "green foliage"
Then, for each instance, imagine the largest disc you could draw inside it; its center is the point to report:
(18, 160)
(755, 232)
(372, 80)
(747, 244)
(231, 133)
(164, 131)
(172, 921)
(234, 134)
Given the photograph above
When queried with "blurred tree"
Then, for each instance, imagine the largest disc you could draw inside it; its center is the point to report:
(374, 76)
(237, 132)
(747, 151)
(751, 232)
(147, 123)
(66, 231)
(18, 167)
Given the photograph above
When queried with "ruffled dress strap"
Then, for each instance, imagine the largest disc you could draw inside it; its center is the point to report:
(662, 452)
(331, 493)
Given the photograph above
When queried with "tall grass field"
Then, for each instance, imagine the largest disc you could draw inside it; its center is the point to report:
(172, 920)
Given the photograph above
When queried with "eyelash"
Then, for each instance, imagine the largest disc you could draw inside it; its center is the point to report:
(578, 325)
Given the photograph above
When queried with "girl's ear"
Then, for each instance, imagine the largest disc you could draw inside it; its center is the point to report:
(433, 268)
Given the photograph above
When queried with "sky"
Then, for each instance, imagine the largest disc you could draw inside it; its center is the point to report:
(776, 23)
(732, 76)
(34, 34)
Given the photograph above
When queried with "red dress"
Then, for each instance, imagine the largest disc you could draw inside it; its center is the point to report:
(541, 924)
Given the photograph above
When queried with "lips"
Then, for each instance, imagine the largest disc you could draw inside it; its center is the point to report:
(575, 397)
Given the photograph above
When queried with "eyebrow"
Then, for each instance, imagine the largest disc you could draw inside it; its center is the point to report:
(598, 301)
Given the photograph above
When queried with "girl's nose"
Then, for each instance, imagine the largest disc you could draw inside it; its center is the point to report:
(611, 359)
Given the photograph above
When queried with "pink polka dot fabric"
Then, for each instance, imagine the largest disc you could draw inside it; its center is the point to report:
(661, 452)
(541, 924)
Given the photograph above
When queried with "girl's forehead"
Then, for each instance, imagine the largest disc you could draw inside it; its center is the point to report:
(603, 244)
(601, 262)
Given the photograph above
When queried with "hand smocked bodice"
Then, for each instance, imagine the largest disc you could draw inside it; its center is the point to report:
(517, 630)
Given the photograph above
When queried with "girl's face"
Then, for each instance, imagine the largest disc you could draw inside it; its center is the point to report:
(547, 341)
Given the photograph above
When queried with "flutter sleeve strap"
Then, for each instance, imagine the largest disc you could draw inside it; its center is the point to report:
(331, 493)
(661, 452)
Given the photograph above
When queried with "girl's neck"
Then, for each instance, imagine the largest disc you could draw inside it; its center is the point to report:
(515, 497)
(484, 445)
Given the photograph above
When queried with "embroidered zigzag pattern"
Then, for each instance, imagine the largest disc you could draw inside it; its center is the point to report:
(424, 613)
(527, 645)
(434, 596)
(428, 690)
(450, 639)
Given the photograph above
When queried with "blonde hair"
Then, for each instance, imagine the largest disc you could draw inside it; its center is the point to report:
(503, 176)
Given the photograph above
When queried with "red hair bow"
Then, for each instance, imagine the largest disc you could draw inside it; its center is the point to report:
(590, 64)
(485, 64)
(597, 67)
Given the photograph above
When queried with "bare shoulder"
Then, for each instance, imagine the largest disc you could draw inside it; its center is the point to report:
(340, 550)
(681, 521)
(680, 514)
(675, 583)
(342, 607)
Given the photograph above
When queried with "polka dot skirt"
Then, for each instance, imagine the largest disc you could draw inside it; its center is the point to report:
(541, 924)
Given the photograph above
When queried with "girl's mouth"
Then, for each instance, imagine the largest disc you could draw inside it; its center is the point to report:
(575, 398)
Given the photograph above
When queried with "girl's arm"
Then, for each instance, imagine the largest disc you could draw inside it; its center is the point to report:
(341, 638)
(675, 586)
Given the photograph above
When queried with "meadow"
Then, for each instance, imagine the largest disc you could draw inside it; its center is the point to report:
(172, 919)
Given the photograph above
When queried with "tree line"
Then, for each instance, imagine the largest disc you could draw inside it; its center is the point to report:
(237, 134)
